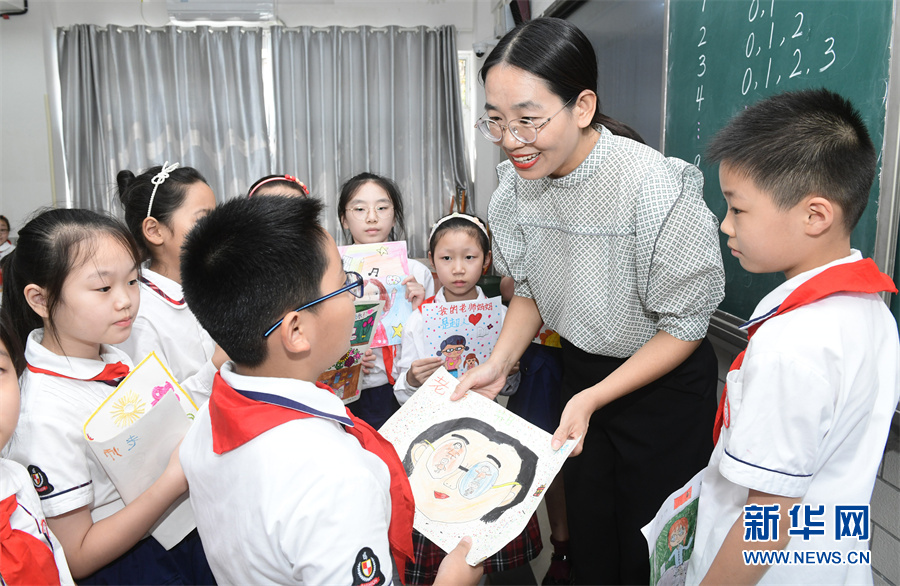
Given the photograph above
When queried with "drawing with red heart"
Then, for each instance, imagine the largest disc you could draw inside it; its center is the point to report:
(475, 318)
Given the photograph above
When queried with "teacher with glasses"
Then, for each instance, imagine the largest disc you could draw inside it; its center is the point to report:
(610, 244)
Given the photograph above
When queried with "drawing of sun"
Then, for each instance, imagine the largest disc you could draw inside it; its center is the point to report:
(128, 409)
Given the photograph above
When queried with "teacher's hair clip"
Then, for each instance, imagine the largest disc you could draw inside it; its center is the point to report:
(158, 180)
(472, 219)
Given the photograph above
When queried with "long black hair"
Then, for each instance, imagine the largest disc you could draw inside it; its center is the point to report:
(49, 247)
(556, 51)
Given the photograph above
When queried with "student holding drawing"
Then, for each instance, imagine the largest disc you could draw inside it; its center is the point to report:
(370, 210)
(459, 247)
(161, 205)
(72, 292)
(312, 494)
(612, 245)
(808, 406)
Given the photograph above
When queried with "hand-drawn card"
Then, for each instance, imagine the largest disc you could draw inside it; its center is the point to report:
(475, 468)
(547, 337)
(463, 333)
(344, 376)
(670, 535)
(383, 266)
(133, 433)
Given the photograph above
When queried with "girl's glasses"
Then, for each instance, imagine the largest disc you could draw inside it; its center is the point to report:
(353, 284)
(522, 129)
(361, 212)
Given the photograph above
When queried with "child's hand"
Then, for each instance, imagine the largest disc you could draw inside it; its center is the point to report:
(455, 571)
(421, 369)
(415, 292)
(368, 362)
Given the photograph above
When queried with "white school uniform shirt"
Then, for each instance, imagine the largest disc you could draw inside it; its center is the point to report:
(6, 247)
(412, 347)
(165, 325)
(28, 517)
(810, 410)
(49, 440)
(378, 375)
(296, 504)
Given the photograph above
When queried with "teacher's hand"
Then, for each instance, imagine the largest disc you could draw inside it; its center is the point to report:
(574, 422)
(487, 379)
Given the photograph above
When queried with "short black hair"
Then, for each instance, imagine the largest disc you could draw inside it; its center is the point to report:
(798, 143)
(248, 263)
(529, 458)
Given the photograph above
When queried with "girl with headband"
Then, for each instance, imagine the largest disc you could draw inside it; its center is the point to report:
(287, 185)
(459, 249)
(161, 205)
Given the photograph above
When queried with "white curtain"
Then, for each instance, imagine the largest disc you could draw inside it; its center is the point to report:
(136, 97)
(346, 100)
(383, 100)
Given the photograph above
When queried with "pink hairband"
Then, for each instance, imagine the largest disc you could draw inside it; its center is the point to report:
(472, 219)
(281, 178)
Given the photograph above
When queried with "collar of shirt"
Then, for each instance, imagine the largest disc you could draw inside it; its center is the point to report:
(773, 300)
(162, 287)
(77, 368)
(319, 401)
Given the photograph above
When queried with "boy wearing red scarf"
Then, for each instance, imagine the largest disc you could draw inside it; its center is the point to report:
(806, 411)
(286, 485)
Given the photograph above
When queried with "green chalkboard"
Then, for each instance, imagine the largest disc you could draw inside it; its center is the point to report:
(724, 55)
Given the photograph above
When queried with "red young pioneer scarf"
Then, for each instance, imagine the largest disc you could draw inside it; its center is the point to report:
(861, 276)
(24, 559)
(237, 417)
(112, 374)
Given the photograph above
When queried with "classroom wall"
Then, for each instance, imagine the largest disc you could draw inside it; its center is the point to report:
(27, 56)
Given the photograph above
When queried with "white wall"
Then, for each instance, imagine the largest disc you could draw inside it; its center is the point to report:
(26, 72)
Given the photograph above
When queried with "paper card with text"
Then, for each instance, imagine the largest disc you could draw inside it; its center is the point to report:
(462, 333)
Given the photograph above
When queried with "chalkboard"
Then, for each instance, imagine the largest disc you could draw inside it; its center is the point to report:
(724, 55)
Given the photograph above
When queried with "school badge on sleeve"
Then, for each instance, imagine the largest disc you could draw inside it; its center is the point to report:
(367, 569)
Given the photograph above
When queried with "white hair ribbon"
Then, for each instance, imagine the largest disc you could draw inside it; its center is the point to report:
(158, 180)
(472, 219)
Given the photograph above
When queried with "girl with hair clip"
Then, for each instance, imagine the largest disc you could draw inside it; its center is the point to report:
(370, 210)
(459, 248)
(72, 292)
(161, 205)
(611, 245)
(286, 185)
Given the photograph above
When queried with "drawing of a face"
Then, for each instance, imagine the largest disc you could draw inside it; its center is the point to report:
(462, 475)
(678, 532)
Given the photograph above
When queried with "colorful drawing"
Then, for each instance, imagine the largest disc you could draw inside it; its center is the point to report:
(133, 433)
(670, 536)
(384, 266)
(475, 468)
(344, 375)
(462, 332)
(547, 337)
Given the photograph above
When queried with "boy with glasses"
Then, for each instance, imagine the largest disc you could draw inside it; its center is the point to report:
(287, 486)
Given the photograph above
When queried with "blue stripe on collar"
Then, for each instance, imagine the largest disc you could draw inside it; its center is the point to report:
(290, 404)
(764, 316)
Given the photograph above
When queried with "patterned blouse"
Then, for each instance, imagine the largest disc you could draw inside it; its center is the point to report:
(618, 249)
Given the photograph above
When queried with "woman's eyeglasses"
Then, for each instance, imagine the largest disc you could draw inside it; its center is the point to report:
(522, 129)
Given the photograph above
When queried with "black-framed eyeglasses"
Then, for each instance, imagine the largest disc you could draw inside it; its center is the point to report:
(522, 129)
(353, 284)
